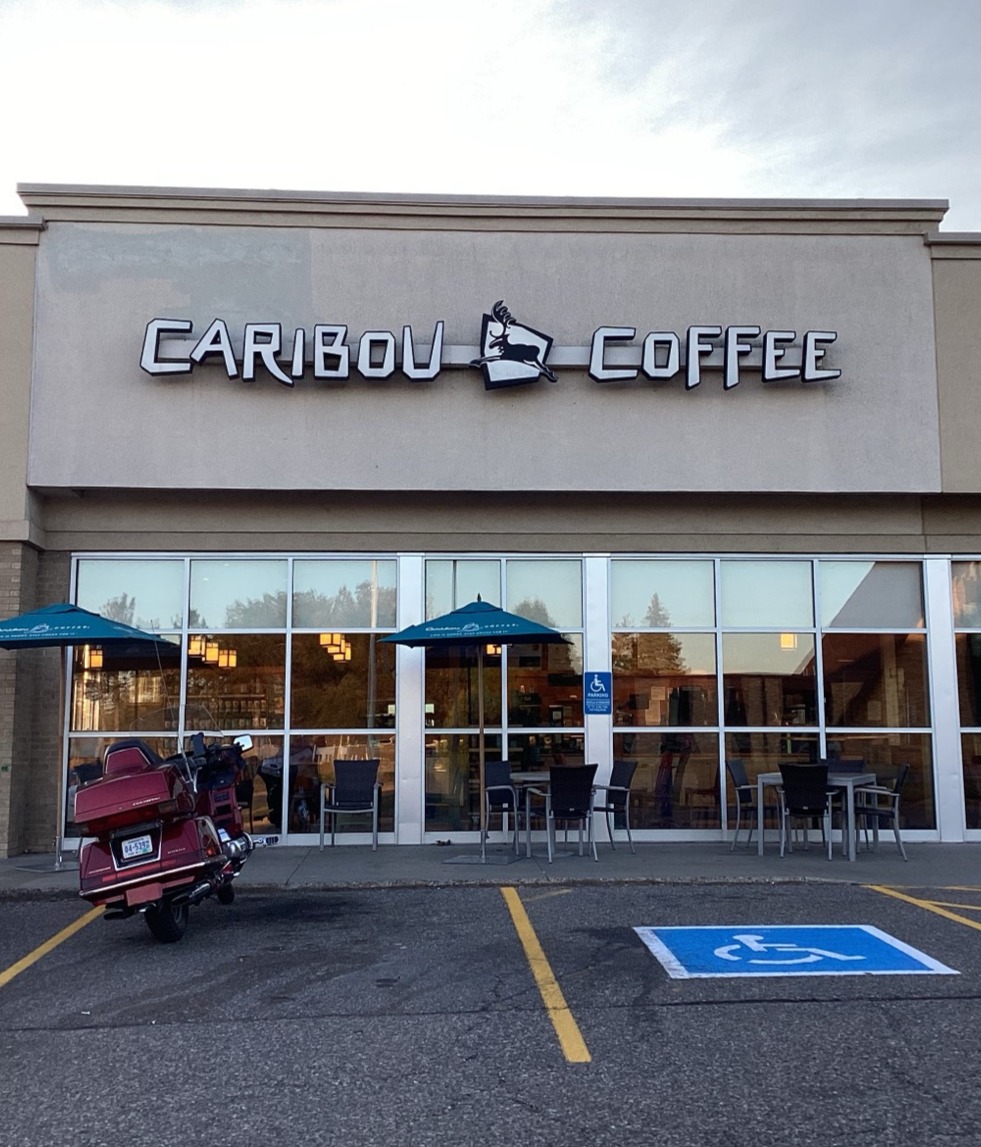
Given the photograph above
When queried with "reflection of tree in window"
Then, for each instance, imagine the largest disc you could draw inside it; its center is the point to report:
(121, 608)
(655, 653)
(535, 610)
(364, 607)
(330, 694)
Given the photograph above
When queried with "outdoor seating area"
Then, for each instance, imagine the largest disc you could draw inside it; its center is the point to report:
(841, 794)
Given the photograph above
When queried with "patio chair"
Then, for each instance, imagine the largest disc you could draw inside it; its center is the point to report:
(500, 796)
(354, 792)
(878, 804)
(745, 792)
(805, 796)
(570, 800)
(617, 801)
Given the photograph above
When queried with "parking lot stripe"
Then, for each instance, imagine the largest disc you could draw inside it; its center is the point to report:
(43, 949)
(929, 905)
(570, 1038)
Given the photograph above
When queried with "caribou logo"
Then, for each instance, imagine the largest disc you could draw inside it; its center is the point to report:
(511, 353)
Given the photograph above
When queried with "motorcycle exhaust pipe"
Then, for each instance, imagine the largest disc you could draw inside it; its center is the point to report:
(239, 848)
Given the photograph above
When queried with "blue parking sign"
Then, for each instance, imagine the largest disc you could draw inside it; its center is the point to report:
(597, 693)
(786, 950)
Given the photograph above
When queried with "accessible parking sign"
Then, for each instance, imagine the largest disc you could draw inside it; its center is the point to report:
(786, 950)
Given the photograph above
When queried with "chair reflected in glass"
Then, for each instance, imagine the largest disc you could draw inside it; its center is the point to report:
(616, 804)
(353, 792)
(245, 793)
(877, 805)
(569, 800)
(500, 796)
(804, 796)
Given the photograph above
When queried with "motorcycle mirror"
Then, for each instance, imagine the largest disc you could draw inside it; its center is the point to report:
(244, 742)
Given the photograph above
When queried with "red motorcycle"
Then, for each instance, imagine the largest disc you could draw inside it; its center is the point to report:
(167, 832)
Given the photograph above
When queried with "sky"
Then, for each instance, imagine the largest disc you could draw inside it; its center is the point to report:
(633, 98)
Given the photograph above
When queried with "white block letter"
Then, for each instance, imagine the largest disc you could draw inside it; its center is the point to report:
(151, 344)
(601, 337)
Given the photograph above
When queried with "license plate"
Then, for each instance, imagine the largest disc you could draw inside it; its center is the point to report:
(137, 846)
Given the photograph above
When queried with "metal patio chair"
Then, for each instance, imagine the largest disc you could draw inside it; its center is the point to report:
(354, 792)
(617, 800)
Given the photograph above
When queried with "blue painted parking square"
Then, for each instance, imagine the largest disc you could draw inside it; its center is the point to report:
(786, 950)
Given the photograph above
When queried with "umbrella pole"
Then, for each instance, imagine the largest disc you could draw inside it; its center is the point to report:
(63, 679)
(480, 751)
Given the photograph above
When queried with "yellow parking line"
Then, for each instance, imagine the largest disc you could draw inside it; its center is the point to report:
(929, 905)
(570, 1038)
(43, 949)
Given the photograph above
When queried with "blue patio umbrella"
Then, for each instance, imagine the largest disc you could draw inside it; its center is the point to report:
(63, 625)
(478, 624)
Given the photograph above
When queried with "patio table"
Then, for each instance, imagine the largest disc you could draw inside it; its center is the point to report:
(846, 781)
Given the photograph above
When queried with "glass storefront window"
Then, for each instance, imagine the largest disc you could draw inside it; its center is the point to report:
(452, 582)
(882, 754)
(351, 688)
(313, 760)
(971, 758)
(534, 751)
(660, 594)
(766, 594)
(676, 784)
(549, 592)
(117, 690)
(968, 646)
(545, 684)
(871, 595)
(334, 592)
(451, 688)
(769, 679)
(146, 593)
(875, 679)
(247, 695)
(238, 594)
(664, 679)
(453, 779)
(763, 753)
(966, 578)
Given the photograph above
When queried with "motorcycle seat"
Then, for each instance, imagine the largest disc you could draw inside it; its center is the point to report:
(131, 756)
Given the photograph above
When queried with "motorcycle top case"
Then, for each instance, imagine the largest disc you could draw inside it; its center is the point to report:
(115, 802)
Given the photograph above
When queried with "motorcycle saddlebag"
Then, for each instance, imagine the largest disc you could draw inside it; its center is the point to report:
(115, 802)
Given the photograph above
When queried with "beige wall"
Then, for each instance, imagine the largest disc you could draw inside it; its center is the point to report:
(98, 421)
(18, 251)
(957, 289)
(535, 523)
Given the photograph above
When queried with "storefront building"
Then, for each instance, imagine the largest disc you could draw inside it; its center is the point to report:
(728, 448)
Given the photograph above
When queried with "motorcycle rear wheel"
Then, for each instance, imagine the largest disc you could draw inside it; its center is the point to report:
(168, 922)
(226, 893)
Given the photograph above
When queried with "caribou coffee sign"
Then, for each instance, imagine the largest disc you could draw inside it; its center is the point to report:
(509, 354)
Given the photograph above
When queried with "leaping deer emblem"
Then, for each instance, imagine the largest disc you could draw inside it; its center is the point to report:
(505, 361)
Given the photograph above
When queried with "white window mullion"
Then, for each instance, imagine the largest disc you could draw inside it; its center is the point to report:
(945, 712)
(597, 657)
(410, 688)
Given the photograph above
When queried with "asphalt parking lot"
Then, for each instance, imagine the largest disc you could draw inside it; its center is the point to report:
(421, 1016)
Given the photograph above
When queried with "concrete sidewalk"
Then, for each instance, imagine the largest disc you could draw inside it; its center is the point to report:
(929, 866)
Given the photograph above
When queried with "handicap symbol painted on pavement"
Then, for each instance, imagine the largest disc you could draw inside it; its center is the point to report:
(747, 944)
(786, 950)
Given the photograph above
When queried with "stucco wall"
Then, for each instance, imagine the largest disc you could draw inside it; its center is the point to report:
(957, 285)
(18, 248)
(99, 421)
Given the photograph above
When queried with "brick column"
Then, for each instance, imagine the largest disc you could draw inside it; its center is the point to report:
(30, 737)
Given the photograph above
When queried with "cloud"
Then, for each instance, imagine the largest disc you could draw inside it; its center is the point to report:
(802, 98)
